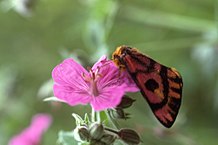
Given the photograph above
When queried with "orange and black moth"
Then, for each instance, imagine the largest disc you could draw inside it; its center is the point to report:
(160, 85)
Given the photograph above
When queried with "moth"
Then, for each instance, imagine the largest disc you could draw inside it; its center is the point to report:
(160, 85)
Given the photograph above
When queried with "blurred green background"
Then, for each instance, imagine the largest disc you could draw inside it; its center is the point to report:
(36, 35)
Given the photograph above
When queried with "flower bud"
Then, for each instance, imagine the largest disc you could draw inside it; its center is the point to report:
(108, 139)
(126, 102)
(81, 133)
(96, 142)
(118, 113)
(129, 136)
(96, 131)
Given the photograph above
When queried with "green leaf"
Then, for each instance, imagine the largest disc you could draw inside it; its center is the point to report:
(86, 119)
(53, 98)
(79, 120)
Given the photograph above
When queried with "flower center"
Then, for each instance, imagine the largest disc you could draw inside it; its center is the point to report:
(92, 79)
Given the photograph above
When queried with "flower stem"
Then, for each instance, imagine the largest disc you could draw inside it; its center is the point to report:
(112, 121)
(98, 116)
(93, 115)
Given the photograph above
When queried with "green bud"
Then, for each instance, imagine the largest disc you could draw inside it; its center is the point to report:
(126, 102)
(96, 131)
(118, 113)
(129, 136)
(81, 133)
(108, 139)
(96, 142)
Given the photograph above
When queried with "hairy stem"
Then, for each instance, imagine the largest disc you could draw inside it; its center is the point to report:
(93, 115)
(112, 121)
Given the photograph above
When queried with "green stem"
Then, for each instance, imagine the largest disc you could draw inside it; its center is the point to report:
(112, 121)
(93, 115)
(98, 117)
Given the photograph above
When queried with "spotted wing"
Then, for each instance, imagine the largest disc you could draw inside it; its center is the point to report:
(161, 86)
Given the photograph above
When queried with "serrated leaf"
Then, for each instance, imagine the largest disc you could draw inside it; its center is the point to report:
(78, 119)
(86, 119)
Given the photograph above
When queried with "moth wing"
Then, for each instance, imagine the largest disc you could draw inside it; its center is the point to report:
(161, 86)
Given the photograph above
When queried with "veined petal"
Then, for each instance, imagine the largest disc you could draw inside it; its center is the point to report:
(70, 85)
(129, 84)
(109, 98)
(70, 73)
(103, 87)
(71, 96)
(109, 75)
(112, 76)
(100, 62)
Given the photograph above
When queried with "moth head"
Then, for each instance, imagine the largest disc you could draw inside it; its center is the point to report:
(120, 53)
(117, 56)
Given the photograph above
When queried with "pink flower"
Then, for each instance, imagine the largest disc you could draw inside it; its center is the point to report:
(103, 86)
(33, 134)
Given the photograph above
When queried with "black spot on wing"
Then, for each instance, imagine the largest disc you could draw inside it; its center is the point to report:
(151, 85)
(163, 74)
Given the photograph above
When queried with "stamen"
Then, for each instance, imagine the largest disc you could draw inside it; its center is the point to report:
(86, 78)
(93, 79)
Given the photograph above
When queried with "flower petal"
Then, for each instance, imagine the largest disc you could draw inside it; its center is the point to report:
(41, 122)
(70, 85)
(32, 135)
(112, 76)
(71, 96)
(109, 74)
(102, 61)
(109, 98)
(129, 84)
(69, 73)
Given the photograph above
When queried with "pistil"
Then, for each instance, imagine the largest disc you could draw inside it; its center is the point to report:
(92, 80)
